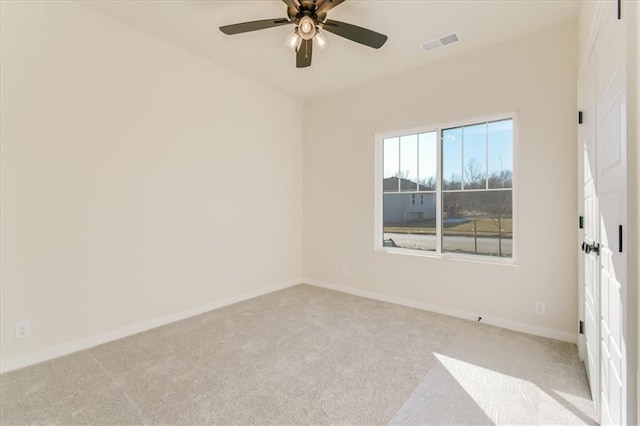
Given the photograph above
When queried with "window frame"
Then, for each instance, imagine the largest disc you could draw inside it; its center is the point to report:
(439, 254)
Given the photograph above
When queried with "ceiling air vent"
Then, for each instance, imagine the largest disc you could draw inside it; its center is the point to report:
(440, 41)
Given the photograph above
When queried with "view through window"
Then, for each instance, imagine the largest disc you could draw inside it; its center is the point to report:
(470, 190)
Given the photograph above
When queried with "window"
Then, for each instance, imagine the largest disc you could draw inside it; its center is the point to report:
(450, 190)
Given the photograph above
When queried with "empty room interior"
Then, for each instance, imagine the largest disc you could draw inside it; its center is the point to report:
(319, 212)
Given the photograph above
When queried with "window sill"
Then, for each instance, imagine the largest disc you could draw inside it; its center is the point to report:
(475, 258)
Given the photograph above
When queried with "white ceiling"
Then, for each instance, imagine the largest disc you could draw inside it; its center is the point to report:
(262, 55)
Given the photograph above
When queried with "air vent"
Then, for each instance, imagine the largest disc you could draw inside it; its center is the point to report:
(448, 39)
(440, 41)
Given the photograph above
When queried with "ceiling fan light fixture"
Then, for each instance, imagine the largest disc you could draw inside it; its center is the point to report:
(293, 40)
(321, 40)
(310, 20)
(306, 28)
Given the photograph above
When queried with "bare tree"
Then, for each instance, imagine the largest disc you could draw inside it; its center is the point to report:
(428, 184)
(502, 203)
(501, 179)
(474, 177)
(454, 182)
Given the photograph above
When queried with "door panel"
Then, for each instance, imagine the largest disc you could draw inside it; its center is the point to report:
(602, 91)
(610, 192)
(591, 292)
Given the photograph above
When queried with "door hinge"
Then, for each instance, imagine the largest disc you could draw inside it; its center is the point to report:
(619, 238)
(581, 327)
(619, 9)
(579, 117)
(581, 222)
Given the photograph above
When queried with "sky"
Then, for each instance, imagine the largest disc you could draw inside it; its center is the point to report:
(415, 156)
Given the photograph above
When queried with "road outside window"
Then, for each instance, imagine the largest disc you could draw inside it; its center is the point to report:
(450, 190)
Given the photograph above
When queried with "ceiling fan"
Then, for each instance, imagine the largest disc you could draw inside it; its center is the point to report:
(310, 17)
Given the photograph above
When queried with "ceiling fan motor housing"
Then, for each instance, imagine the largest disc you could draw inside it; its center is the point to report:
(306, 27)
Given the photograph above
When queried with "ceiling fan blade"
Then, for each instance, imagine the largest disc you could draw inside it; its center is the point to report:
(355, 33)
(245, 27)
(327, 5)
(292, 3)
(303, 55)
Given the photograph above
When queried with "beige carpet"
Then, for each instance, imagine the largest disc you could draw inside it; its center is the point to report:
(306, 355)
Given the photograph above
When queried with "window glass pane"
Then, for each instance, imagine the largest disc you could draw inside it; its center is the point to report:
(427, 160)
(410, 221)
(475, 156)
(478, 222)
(391, 163)
(476, 174)
(409, 163)
(452, 158)
(501, 154)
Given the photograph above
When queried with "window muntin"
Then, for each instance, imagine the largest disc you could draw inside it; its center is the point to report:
(470, 192)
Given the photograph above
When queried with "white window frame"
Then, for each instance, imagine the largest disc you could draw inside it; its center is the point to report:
(439, 254)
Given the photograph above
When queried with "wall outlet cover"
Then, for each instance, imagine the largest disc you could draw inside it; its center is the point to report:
(23, 329)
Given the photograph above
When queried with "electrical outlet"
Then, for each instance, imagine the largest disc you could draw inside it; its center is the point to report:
(23, 329)
(236, 279)
(541, 308)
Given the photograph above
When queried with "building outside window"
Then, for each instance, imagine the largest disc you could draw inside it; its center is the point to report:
(463, 179)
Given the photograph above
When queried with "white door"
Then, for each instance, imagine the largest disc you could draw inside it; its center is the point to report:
(610, 179)
(591, 292)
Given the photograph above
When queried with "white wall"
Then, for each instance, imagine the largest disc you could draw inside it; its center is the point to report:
(535, 76)
(137, 179)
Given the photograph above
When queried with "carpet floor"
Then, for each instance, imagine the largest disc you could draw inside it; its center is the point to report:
(306, 355)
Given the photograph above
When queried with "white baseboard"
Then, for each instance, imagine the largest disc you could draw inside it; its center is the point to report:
(21, 361)
(472, 316)
(89, 342)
